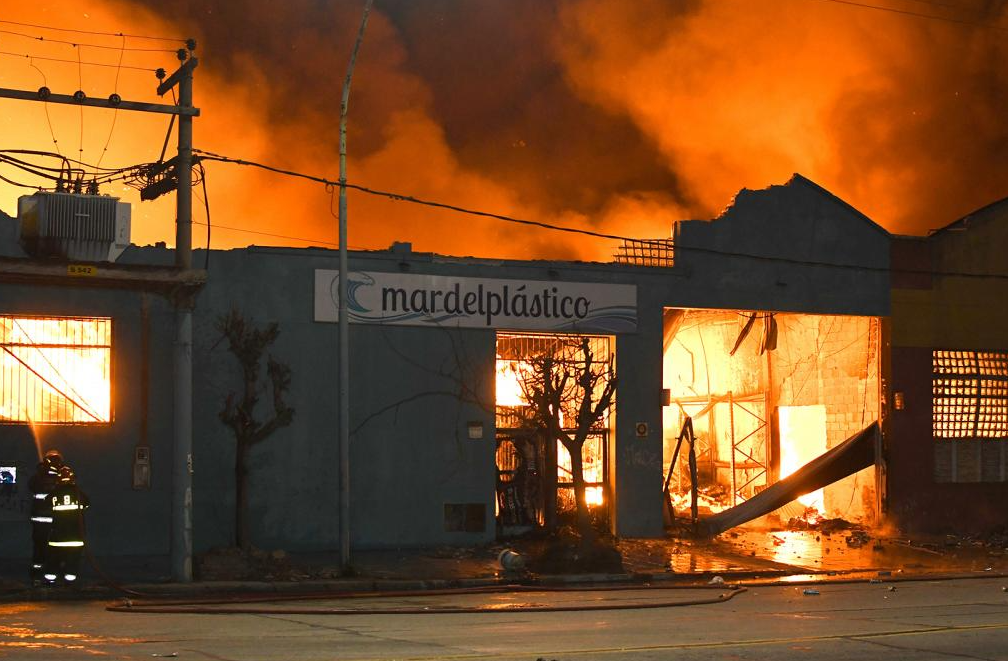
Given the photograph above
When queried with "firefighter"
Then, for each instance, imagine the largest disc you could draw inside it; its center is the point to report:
(66, 538)
(41, 486)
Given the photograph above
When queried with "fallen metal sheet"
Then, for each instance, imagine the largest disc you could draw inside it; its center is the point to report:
(854, 454)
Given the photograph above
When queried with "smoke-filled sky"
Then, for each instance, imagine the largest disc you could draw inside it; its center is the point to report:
(615, 116)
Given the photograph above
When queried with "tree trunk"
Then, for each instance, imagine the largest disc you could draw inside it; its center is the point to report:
(241, 497)
(549, 480)
(584, 527)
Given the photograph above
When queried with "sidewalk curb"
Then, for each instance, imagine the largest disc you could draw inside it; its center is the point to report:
(356, 585)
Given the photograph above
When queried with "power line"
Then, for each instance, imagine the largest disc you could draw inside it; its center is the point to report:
(89, 64)
(35, 152)
(17, 183)
(80, 86)
(45, 105)
(115, 113)
(103, 34)
(906, 12)
(276, 236)
(78, 44)
(934, 3)
(210, 156)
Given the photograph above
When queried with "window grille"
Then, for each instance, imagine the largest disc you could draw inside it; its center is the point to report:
(55, 370)
(970, 416)
(970, 394)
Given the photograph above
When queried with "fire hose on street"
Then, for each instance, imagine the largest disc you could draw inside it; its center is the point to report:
(241, 605)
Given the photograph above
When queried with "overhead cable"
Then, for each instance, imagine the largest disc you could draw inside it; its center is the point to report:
(103, 34)
(79, 44)
(210, 156)
(84, 63)
(906, 12)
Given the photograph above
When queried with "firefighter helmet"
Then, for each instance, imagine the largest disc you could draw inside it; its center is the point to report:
(66, 475)
(53, 458)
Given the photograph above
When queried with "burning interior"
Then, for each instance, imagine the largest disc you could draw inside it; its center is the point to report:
(55, 370)
(535, 473)
(766, 393)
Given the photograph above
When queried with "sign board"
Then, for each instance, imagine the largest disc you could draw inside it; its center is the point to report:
(440, 300)
(79, 270)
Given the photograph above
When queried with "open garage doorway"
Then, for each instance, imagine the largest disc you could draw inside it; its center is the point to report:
(766, 392)
(536, 473)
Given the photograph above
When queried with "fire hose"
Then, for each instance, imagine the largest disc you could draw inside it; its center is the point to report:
(224, 607)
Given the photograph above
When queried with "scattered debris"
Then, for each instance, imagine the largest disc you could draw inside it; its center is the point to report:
(857, 539)
(168, 655)
(812, 519)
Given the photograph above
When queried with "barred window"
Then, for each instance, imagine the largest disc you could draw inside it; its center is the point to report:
(970, 391)
(970, 416)
(55, 370)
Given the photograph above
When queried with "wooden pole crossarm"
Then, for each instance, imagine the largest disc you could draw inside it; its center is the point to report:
(27, 95)
(173, 80)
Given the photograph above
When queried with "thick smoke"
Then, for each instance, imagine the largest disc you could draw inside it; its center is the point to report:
(620, 117)
(899, 115)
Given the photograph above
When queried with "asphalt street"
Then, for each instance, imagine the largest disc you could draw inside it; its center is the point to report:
(958, 619)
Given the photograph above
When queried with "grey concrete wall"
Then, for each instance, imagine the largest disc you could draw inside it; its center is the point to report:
(410, 452)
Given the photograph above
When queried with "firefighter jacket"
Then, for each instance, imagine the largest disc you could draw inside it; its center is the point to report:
(41, 486)
(68, 504)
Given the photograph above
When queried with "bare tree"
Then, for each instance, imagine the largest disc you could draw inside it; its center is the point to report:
(248, 343)
(562, 382)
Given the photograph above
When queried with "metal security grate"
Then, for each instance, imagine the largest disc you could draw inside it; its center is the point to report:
(645, 252)
(970, 394)
(55, 370)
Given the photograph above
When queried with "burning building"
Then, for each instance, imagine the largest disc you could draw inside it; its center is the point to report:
(769, 327)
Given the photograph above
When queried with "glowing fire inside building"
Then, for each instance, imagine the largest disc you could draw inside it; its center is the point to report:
(55, 370)
(535, 473)
(767, 393)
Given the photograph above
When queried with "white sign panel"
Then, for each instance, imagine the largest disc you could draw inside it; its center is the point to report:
(439, 300)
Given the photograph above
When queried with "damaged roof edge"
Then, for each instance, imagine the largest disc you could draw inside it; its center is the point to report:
(965, 221)
(797, 178)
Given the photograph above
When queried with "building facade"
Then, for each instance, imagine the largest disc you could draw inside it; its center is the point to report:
(782, 303)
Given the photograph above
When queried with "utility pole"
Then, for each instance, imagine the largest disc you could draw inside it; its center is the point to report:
(181, 533)
(182, 463)
(344, 321)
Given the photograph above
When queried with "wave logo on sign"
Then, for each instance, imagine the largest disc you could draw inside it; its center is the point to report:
(354, 283)
(361, 286)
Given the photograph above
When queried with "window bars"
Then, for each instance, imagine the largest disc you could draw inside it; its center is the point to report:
(970, 394)
(55, 370)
